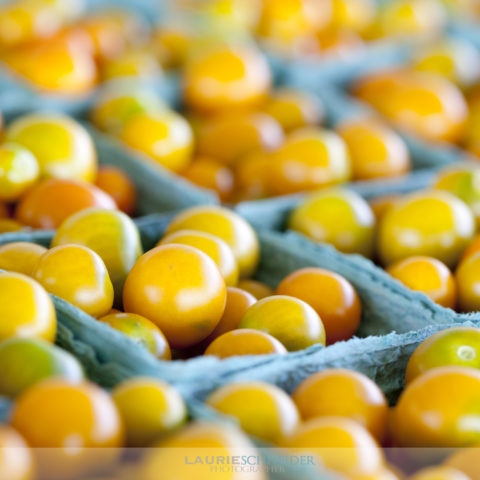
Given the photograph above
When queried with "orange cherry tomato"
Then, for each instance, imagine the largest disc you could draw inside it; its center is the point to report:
(375, 150)
(119, 186)
(56, 65)
(212, 246)
(149, 408)
(186, 302)
(16, 459)
(3, 211)
(343, 445)
(251, 177)
(213, 175)
(294, 109)
(244, 341)
(230, 137)
(331, 296)
(380, 205)
(310, 158)
(79, 276)
(20, 257)
(454, 416)
(258, 289)
(474, 247)
(237, 303)
(50, 202)
(263, 410)
(290, 320)
(224, 79)
(140, 330)
(344, 393)
(76, 424)
(429, 276)
(26, 309)
(227, 225)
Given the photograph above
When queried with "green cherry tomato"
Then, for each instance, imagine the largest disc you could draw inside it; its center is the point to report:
(456, 346)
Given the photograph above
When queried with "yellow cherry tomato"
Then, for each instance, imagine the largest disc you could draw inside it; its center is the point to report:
(163, 135)
(175, 456)
(21, 22)
(237, 303)
(263, 410)
(258, 289)
(455, 416)
(16, 459)
(211, 245)
(290, 320)
(429, 276)
(339, 217)
(223, 79)
(79, 276)
(138, 63)
(20, 257)
(456, 60)
(343, 445)
(172, 43)
(149, 408)
(229, 137)
(141, 330)
(8, 225)
(118, 103)
(294, 109)
(375, 150)
(331, 296)
(411, 17)
(186, 301)
(227, 225)
(430, 223)
(465, 460)
(61, 145)
(285, 21)
(440, 473)
(464, 182)
(458, 346)
(75, 423)
(309, 159)
(26, 309)
(18, 171)
(244, 341)
(343, 393)
(467, 277)
(356, 15)
(211, 174)
(110, 234)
